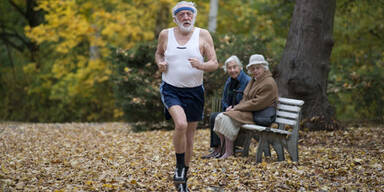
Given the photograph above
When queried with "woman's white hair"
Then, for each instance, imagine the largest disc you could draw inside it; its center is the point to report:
(187, 3)
(235, 59)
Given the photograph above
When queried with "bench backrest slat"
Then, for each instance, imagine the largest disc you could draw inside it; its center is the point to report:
(291, 101)
(284, 114)
(286, 121)
(288, 108)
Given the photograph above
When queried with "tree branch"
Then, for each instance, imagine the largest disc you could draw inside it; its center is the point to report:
(15, 35)
(374, 33)
(18, 9)
(7, 41)
(5, 36)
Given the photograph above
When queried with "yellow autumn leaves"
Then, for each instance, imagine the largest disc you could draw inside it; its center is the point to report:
(75, 41)
(98, 22)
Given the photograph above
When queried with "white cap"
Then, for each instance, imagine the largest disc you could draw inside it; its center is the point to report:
(257, 59)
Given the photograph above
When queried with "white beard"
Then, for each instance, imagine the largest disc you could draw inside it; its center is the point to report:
(185, 29)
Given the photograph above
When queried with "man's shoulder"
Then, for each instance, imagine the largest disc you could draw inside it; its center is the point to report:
(204, 32)
(164, 34)
(165, 31)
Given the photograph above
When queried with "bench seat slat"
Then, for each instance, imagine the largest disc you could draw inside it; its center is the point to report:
(291, 101)
(253, 127)
(288, 108)
(287, 114)
(285, 121)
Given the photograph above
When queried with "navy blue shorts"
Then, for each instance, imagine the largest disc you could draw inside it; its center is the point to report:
(190, 99)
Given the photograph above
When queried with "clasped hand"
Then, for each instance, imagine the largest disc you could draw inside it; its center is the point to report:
(196, 63)
(162, 66)
(230, 108)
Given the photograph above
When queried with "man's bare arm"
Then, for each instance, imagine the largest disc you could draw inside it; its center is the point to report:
(211, 63)
(159, 55)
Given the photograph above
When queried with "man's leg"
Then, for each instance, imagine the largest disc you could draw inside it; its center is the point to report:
(190, 136)
(189, 149)
(179, 141)
(180, 121)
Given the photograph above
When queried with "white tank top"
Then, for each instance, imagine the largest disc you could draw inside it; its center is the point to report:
(180, 73)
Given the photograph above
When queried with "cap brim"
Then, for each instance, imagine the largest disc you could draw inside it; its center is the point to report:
(260, 63)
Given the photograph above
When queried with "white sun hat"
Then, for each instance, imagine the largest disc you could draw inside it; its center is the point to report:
(258, 59)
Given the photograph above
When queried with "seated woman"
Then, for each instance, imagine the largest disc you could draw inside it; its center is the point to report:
(232, 94)
(260, 93)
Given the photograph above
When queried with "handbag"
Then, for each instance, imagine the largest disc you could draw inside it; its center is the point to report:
(265, 117)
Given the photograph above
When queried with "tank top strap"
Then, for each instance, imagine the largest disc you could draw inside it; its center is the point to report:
(196, 35)
(171, 38)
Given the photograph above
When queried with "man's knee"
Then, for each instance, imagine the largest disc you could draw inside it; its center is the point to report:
(181, 126)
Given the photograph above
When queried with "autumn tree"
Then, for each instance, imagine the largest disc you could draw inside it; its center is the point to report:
(305, 64)
(77, 37)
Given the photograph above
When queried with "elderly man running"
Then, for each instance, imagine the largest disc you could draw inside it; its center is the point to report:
(183, 54)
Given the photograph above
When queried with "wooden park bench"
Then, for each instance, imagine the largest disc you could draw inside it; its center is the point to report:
(277, 135)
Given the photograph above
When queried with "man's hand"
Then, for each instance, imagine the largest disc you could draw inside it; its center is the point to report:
(163, 66)
(196, 64)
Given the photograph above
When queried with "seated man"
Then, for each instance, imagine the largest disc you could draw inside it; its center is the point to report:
(232, 94)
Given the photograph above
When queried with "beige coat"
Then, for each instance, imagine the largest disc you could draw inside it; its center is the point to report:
(258, 95)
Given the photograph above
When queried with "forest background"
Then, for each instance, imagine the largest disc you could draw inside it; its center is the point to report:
(93, 61)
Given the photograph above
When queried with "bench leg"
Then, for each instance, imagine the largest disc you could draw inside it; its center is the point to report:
(278, 147)
(266, 149)
(263, 144)
(246, 145)
(292, 149)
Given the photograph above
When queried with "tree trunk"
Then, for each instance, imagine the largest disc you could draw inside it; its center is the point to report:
(93, 49)
(213, 7)
(34, 19)
(304, 67)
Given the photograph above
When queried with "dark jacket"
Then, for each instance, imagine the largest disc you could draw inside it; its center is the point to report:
(226, 101)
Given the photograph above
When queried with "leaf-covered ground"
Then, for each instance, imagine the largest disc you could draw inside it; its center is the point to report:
(110, 157)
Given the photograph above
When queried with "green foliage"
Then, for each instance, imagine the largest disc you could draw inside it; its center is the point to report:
(358, 94)
(30, 99)
(137, 83)
(136, 86)
(357, 68)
